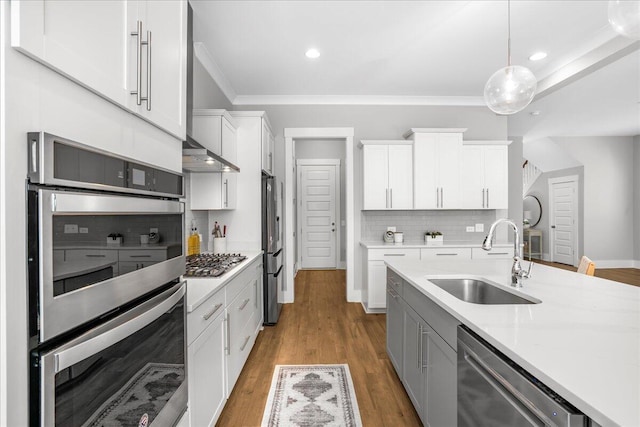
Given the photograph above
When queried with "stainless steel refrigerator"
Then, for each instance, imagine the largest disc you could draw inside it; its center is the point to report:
(273, 253)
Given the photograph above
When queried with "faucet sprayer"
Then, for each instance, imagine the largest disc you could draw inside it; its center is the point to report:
(517, 272)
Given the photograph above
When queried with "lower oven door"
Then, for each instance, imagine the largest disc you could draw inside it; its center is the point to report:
(127, 370)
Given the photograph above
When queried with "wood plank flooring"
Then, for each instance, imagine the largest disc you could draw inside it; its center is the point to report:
(321, 327)
(630, 276)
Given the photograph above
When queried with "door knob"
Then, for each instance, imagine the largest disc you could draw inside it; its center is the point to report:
(333, 229)
(553, 226)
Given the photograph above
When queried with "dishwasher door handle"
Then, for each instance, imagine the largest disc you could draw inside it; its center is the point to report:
(507, 391)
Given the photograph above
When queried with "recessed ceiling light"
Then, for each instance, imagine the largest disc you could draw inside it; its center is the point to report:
(312, 53)
(535, 113)
(538, 56)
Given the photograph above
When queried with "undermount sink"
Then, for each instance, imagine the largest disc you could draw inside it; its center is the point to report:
(479, 292)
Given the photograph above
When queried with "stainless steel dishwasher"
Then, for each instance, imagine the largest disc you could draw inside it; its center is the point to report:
(494, 391)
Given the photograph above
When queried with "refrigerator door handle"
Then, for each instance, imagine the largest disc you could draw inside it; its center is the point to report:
(277, 252)
(279, 270)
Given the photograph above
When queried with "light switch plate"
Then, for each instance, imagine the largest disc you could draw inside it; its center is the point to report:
(71, 228)
(479, 228)
(84, 230)
(470, 229)
(391, 229)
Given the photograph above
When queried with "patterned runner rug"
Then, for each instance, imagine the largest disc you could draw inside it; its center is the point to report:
(311, 395)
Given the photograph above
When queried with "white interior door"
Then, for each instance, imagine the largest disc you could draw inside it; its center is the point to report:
(317, 215)
(563, 220)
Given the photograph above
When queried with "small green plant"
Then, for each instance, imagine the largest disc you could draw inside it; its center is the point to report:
(433, 234)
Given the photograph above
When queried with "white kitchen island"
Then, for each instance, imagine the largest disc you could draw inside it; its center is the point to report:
(582, 340)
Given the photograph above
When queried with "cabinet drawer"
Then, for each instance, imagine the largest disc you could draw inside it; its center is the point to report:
(241, 310)
(394, 281)
(204, 315)
(495, 253)
(95, 254)
(142, 255)
(392, 253)
(441, 321)
(237, 284)
(240, 345)
(445, 253)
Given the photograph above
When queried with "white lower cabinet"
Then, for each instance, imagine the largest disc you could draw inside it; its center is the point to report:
(221, 333)
(429, 362)
(374, 295)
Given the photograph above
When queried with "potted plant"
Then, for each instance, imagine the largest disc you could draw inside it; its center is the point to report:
(433, 238)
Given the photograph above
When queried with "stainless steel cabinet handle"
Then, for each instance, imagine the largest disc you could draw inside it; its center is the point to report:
(138, 34)
(227, 346)
(419, 341)
(138, 256)
(244, 304)
(226, 193)
(81, 351)
(483, 197)
(386, 201)
(148, 98)
(441, 197)
(394, 254)
(487, 197)
(498, 253)
(391, 198)
(95, 255)
(446, 254)
(246, 340)
(212, 312)
(422, 364)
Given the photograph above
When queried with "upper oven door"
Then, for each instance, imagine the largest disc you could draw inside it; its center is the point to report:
(78, 272)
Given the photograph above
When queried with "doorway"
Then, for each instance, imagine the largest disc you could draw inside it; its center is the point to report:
(563, 220)
(318, 211)
(343, 136)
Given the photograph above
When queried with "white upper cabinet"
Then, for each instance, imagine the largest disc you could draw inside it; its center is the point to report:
(91, 43)
(217, 131)
(213, 191)
(388, 175)
(484, 175)
(268, 143)
(436, 159)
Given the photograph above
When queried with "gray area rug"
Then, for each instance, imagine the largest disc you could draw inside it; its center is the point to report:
(311, 396)
(145, 393)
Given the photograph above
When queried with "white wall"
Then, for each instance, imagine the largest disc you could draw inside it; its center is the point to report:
(34, 98)
(328, 149)
(636, 214)
(609, 197)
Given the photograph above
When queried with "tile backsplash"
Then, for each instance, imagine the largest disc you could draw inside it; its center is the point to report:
(452, 224)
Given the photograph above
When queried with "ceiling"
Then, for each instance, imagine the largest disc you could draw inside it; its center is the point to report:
(412, 52)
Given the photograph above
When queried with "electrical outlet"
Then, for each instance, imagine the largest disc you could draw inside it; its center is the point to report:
(479, 228)
(71, 228)
(153, 230)
(470, 229)
(84, 230)
(391, 229)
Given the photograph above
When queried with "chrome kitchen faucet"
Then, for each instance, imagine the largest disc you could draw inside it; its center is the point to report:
(517, 272)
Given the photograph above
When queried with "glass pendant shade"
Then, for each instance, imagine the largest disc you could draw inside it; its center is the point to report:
(624, 17)
(510, 89)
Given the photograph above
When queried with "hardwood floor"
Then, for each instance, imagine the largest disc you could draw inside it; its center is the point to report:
(320, 327)
(630, 276)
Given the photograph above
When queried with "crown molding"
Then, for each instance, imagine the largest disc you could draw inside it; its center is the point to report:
(454, 101)
(206, 59)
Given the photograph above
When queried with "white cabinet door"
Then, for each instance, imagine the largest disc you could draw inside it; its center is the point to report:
(400, 177)
(229, 141)
(425, 172)
(496, 176)
(84, 40)
(376, 285)
(267, 148)
(207, 375)
(164, 65)
(412, 363)
(376, 176)
(472, 190)
(440, 398)
(205, 191)
(448, 164)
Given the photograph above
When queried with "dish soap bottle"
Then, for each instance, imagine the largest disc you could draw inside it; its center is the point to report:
(193, 245)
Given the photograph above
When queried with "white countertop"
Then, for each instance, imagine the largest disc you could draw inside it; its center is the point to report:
(200, 289)
(377, 244)
(582, 340)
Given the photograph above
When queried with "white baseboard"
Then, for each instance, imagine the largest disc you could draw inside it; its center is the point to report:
(354, 296)
(373, 310)
(342, 265)
(616, 263)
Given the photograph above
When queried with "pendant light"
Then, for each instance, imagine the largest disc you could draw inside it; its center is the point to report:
(624, 17)
(510, 89)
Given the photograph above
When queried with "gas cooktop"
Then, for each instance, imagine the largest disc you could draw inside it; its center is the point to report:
(211, 265)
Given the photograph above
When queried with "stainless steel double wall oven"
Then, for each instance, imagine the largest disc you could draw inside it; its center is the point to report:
(106, 306)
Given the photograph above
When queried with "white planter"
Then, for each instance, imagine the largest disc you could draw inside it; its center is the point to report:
(114, 241)
(434, 240)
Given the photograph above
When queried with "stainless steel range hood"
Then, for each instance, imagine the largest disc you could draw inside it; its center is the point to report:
(195, 157)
